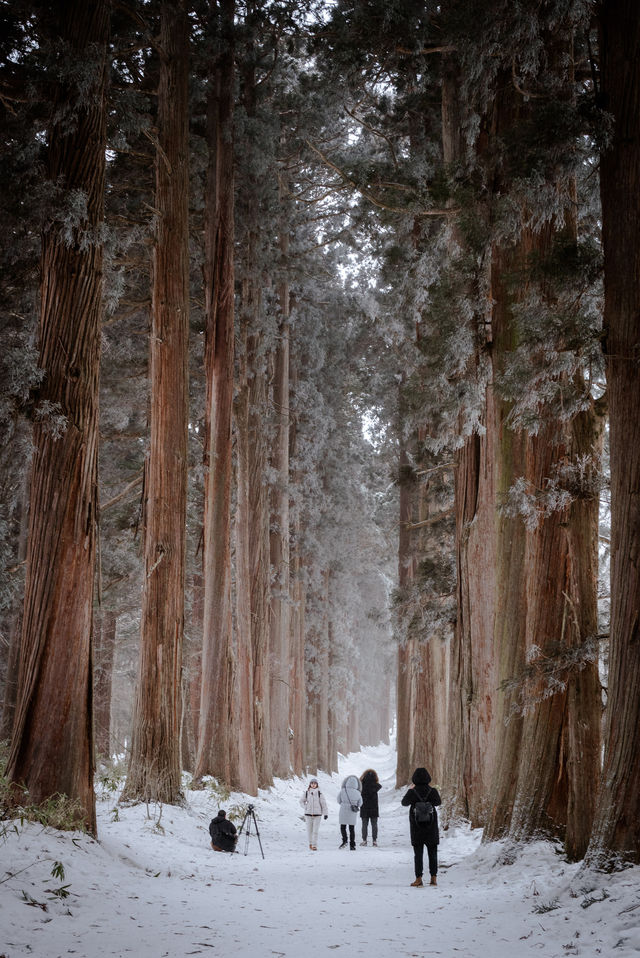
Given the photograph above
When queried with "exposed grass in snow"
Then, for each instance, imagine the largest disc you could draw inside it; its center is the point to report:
(151, 887)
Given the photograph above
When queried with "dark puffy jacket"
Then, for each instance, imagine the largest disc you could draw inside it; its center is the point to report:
(370, 788)
(422, 792)
(223, 833)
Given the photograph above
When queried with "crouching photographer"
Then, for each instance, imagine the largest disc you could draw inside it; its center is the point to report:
(223, 833)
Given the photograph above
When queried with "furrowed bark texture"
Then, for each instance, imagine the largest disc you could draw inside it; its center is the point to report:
(616, 832)
(404, 677)
(472, 672)
(247, 772)
(51, 749)
(560, 750)
(105, 646)
(215, 739)
(279, 545)
(155, 768)
(297, 686)
(260, 566)
(322, 698)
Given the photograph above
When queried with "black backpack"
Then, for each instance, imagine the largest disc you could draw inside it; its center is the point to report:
(423, 813)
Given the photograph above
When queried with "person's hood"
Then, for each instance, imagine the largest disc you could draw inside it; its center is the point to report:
(351, 781)
(421, 777)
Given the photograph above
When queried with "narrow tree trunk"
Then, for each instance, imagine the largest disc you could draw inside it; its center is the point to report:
(322, 698)
(616, 832)
(51, 749)
(247, 779)
(105, 647)
(279, 551)
(404, 718)
(260, 565)
(215, 733)
(15, 628)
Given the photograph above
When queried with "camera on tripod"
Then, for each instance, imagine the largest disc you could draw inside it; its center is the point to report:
(250, 816)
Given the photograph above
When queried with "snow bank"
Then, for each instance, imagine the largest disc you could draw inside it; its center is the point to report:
(152, 887)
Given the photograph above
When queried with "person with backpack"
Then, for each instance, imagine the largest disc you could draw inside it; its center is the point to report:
(315, 807)
(369, 811)
(349, 800)
(423, 823)
(223, 833)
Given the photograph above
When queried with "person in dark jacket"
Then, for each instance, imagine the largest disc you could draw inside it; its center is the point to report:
(369, 810)
(427, 833)
(223, 833)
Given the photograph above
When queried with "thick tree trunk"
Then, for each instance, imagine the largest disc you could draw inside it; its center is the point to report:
(560, 751)
(472, 684)
(105, 647)
(215, 733)
(616, 832)
(51, 749)
(155, 769)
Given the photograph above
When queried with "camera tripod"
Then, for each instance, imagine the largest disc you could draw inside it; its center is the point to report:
(249, 816)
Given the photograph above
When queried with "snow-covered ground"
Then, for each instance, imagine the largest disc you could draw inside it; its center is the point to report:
(154, 889)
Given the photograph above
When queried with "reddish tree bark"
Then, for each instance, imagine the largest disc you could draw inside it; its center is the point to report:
(154, 768)
(616, 831)
(105, 646)
(51, 749)
(215, 738)
(279, 546)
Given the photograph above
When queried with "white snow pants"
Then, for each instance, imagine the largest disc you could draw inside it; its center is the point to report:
(313, 824)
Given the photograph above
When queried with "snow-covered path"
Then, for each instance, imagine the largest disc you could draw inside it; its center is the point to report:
(160, 892)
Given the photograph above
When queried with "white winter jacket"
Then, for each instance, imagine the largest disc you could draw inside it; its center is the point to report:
(349, 795)
(314, 802)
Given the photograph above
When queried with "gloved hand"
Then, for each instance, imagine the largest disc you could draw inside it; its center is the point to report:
(326, 817)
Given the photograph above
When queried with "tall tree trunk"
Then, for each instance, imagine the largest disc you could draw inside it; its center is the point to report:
(322, 697)
(105, 647)
(247, 771)
(215, 733)
(404, 718)
(297, 686)
(560, 750)
(15, 627)
(51, 749)
(616, 831)
(279, 551)
(510, 575)
(260, 564)
(472, 683)
(155, 768)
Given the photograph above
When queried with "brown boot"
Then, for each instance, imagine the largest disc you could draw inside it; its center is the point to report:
(417, 883)
(434, 880)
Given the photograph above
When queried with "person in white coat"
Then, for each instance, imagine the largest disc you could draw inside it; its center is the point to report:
(315, 807)
(349, 800)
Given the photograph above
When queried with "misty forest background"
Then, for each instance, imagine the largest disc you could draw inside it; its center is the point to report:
(320, 358)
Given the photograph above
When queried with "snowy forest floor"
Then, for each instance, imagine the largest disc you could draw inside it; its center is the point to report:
(151, 887)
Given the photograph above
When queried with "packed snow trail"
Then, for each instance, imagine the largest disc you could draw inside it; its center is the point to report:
(153, 888)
